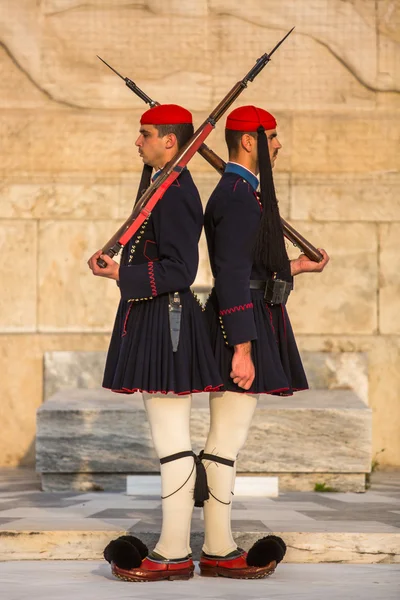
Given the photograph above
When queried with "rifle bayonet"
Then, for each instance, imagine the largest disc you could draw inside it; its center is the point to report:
(132, 85)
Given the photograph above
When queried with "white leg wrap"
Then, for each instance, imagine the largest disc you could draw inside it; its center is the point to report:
(230, 418)
(169, 418)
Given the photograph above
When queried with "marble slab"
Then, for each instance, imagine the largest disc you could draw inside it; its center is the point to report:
(325, 370)
(302, 547)
(106, 435)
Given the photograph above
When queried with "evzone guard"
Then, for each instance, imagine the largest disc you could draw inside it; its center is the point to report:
(251, 335)
(160, 346)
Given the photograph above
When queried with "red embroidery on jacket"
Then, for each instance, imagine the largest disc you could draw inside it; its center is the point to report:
(149, 258)
(150, 267)
(228, 311)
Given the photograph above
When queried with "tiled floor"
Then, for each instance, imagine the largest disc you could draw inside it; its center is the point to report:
(60, 580)
(23, 506)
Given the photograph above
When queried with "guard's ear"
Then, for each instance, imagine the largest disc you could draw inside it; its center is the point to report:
(247, 142)
(170, 141)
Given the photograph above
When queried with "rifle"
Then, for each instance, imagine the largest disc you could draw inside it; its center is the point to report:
(173, 168)
(219, 165)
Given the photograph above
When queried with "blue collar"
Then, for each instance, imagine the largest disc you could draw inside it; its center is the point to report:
(232, 167)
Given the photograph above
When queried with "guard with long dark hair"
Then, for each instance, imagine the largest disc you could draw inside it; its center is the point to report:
(251, 334)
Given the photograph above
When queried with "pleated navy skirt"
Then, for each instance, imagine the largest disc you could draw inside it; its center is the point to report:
(140, 356)
(277, 361)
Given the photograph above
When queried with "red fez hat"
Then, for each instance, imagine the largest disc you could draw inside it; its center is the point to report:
(166, 114)
(250, 118)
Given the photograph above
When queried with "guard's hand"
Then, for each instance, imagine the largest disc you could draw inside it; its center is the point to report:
(243, 371)
(111, 270)
(305, 265)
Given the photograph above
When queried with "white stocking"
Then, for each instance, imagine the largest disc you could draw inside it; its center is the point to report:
(169, 418)
(230, 418)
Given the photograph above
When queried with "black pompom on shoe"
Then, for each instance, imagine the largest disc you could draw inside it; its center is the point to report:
(122, 554)
(127, 552)
(138, 544)
(267, 549)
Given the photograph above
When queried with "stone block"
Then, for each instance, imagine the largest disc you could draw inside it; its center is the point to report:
(44, 196)
(337, 370)
(325, 370)
(98, 432)
(68, 140)
(309, 73)
(70, 297)
(18, 250)
(342, 299)
(345, 142)
(346, 197)
(16, 90)
(302, 547)
(21, 387)
(384, 382)
(389, 278)
(330, 25)
(126, 29)
(69, 370)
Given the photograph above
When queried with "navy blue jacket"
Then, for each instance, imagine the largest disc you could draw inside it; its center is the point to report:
(232, 218)
(163, 257)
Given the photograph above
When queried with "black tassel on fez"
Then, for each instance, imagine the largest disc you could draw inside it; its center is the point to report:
(127, 552)
(265, 551)
(269, 249)
(201, 487)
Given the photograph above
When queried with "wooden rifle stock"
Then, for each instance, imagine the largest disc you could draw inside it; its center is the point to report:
(170, 172)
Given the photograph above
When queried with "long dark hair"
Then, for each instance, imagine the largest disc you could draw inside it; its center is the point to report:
(269, 248)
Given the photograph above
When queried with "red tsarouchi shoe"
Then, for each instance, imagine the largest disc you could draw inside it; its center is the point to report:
(152, 569)
(235, 567)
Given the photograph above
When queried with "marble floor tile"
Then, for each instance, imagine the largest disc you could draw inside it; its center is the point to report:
(35, 524)
(332, 526)
(87, 580)
(123, 513)
(68, 512)
(350, 497)
(271, 515)
(94, 506)
(302, 506)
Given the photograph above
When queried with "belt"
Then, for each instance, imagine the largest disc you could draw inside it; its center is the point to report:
(276, 291)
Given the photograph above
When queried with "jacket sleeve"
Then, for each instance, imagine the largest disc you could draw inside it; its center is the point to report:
(177, 220)
(234, 236)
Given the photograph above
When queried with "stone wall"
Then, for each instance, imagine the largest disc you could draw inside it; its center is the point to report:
(69, 168)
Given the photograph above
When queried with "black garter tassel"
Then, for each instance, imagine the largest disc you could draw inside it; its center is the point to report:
(201, 493)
